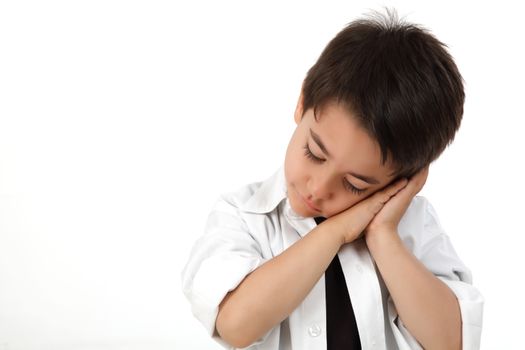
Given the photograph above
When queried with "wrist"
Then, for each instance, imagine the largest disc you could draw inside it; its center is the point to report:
(375, 239)
(334, 231)
(345, 229)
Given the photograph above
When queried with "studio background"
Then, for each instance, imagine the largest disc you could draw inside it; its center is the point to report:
(121, 122)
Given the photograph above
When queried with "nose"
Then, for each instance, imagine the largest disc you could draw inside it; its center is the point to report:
(320, 188)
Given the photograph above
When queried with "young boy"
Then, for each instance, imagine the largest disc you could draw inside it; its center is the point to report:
(335, 250)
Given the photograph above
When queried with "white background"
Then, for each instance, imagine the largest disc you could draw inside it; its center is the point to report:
(121, 122)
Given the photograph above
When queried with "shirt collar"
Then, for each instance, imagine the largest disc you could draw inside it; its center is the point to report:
(269, 195)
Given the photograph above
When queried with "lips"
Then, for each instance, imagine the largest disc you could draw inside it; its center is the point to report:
(310, 204)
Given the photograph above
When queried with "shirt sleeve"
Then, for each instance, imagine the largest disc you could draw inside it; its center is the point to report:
(439, 256)
(219, 260)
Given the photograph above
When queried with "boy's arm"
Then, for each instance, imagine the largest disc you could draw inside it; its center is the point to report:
(272, 291)
(425, 304)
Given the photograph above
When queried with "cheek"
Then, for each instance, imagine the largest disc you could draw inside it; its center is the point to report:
(296, 162)
(294, 168)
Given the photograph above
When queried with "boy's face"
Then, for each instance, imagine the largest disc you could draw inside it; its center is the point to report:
(350, 171)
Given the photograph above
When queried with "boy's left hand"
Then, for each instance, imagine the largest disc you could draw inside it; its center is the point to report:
(387, 219)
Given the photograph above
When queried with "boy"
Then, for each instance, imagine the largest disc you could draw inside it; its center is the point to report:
(335, 250)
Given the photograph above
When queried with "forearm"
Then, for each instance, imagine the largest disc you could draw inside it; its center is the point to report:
(427, 307)
(270, 293)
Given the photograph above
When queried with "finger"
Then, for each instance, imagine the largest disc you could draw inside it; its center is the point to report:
(397, 186)
(421, 175)
(417, 181)
(381, 197)
(393, 188)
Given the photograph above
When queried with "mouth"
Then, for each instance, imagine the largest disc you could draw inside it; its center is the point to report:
(310, 204)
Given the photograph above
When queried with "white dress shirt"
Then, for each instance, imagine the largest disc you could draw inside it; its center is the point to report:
(252, 225)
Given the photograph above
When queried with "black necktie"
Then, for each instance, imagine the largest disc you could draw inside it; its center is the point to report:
(341, 326)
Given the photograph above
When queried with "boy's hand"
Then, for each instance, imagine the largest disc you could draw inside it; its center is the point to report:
(379, 212)
(352, 222)
(387, 219)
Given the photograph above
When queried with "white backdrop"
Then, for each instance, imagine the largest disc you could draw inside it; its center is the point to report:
(121, 122)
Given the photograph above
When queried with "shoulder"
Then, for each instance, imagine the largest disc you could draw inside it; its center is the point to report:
(419, 212)
(260, 197)
(253, 208)
(420, 223)
(226, 214)
(233, 201)
(247, 218)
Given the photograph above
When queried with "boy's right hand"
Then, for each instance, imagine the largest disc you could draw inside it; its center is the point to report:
(352, 222)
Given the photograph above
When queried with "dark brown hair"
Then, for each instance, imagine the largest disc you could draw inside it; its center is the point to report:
(399, 81)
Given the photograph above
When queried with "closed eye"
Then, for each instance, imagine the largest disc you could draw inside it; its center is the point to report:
(347, 185)
(310, 155)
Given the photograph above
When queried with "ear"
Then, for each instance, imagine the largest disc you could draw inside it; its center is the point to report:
(299, 109)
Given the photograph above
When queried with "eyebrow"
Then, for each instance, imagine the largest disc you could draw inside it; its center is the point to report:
(317, 139)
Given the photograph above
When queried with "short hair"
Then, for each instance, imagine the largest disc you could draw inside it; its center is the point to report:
(398, 80)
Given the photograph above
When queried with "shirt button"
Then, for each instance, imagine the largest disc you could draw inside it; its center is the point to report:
(374, 343)
(314, 330)
(359, 269)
